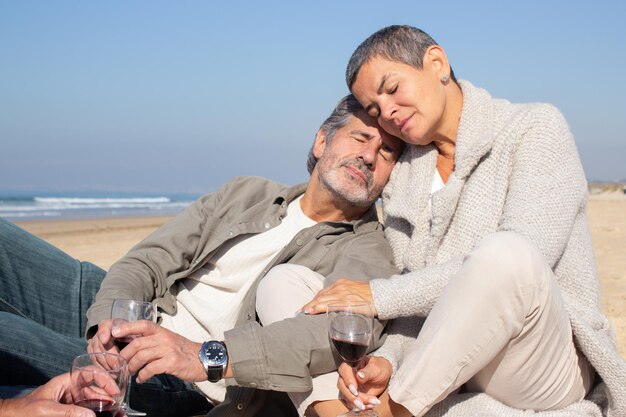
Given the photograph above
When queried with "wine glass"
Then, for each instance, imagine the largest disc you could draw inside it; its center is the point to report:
(98, 382)
(350, 325)
(124, 311)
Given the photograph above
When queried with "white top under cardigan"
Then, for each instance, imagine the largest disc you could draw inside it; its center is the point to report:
(209, 301)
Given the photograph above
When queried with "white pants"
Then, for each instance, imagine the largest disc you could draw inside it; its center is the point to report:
(282, 292)
(499, 326)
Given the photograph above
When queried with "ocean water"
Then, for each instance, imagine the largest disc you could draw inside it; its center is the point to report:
(35, 206)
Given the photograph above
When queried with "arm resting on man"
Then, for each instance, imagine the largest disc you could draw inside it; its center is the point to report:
(284, 355)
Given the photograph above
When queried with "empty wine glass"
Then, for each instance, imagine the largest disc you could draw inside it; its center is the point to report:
(98, 382)
(350, 325)
(124, 311)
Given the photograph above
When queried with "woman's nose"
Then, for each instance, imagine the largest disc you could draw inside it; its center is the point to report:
(387, 111)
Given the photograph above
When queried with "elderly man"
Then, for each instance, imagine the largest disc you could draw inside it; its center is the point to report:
(202, 270)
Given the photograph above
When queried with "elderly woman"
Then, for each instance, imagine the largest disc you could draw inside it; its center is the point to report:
(497, 309)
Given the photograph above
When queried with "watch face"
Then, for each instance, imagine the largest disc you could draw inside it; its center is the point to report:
(215, 353)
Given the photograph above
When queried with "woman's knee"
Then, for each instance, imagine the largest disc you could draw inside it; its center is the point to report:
(507, 261)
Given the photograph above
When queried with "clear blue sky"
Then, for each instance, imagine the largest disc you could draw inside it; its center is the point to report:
(183, 95)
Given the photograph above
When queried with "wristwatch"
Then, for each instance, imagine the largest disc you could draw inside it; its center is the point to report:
(214, 358)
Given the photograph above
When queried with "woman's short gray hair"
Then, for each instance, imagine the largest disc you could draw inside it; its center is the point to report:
(340, 116)
(399, 43)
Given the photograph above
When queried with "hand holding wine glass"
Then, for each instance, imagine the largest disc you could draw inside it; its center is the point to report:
(52, 399)
(350, 327)
(370, 381)
(124, 311)
(98, 382)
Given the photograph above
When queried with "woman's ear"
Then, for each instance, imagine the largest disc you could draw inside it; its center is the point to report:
(436, 59)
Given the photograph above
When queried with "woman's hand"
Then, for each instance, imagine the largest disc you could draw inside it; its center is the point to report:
(370, 381)
(340, 291)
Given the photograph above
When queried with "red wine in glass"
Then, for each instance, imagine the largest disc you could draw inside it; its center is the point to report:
(122, 342)
(102, 408)
(350, 327)
(350, 330)
(350, 351)
(127, 311)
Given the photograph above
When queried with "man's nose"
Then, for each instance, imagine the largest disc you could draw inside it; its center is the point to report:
(369, 152)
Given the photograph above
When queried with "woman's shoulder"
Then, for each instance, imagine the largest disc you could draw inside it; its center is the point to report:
(539, 112)
(506, 110)
(542, 121)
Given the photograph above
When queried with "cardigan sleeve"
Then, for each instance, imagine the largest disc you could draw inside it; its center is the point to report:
(400, 333)
(413, 293)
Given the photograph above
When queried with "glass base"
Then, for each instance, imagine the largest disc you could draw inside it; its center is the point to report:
(357, 413)
(130, 412)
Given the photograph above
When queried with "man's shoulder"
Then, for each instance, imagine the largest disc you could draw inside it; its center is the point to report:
(244, 182)
(249, 186)
(245, 191)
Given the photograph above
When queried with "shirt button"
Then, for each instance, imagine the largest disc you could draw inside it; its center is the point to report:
(240, 406)
(249, 316)
(230, 233)
(299, 242)
(267, 225)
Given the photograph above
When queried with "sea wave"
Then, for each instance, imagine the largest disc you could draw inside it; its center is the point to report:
(26, 207)
(104, 200)
(27, 215)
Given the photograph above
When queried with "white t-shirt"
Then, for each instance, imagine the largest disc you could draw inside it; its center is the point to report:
(438, 183)
(209, 301)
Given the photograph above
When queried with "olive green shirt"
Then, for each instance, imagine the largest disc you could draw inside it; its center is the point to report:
(284, 355)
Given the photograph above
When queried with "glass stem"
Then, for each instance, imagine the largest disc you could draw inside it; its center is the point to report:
(127, 395)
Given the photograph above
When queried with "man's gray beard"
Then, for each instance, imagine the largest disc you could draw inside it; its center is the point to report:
(355, 196)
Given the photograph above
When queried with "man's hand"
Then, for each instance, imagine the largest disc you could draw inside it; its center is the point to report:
(340, 291)
(102, 341)
(52, 399)
(369, 382)
(158, 350)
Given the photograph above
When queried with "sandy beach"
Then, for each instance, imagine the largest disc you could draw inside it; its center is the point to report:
(103, 241)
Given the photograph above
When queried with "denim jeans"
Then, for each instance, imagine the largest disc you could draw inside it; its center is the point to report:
(44, 297)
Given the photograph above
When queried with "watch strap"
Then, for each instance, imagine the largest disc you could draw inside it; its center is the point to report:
(214, 373)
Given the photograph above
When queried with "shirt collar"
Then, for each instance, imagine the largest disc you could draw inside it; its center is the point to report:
(369, 219)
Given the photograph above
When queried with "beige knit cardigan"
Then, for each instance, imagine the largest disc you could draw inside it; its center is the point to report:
(516, 169)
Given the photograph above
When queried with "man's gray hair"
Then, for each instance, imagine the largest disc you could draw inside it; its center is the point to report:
(340, 116)
(399, 43)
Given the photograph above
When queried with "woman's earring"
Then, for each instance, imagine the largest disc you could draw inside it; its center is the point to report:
(445, 79)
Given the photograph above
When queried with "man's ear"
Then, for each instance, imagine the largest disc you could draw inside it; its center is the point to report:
(320, 144)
